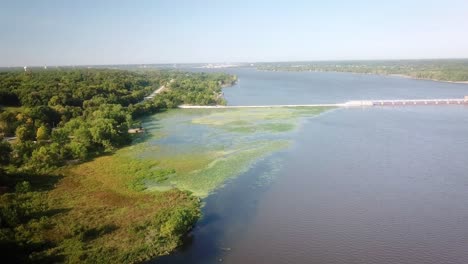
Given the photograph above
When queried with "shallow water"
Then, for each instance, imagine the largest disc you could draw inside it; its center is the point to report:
(372, 185)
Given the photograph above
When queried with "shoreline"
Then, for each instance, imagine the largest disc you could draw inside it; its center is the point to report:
(425, 79)
(94, 197)
(377, 74)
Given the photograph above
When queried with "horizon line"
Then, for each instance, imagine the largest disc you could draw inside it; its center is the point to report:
(231, 62)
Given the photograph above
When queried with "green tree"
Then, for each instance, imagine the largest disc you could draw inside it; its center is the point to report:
(5, 151)
(55, 100)
(60, 136)
(43, 115)
(25, 133)
(43, 133)
(22, 151)
(104, 133)
(45, 158)
(78, 150)
(8, 123)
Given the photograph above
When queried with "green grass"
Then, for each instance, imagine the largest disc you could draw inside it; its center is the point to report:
(154, 175)
(96, 213)
(12, 108)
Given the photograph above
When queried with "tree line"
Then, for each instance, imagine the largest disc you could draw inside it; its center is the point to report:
(62, 115)
(455, 70)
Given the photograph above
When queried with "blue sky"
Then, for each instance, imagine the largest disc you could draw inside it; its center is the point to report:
(65, 32)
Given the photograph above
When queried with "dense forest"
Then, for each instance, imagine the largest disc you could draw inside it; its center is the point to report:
(52, 118)
(454, 70)
(68, 115)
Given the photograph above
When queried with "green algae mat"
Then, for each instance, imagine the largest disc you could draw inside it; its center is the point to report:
(199, 149)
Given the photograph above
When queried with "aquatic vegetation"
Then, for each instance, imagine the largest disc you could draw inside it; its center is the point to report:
(203, 181)
(251, 120)
(204, 148)
(269, 175)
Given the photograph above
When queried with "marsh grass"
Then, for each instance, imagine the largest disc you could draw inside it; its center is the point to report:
(97, 213)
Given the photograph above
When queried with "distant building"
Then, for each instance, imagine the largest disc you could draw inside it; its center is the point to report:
(25, 68)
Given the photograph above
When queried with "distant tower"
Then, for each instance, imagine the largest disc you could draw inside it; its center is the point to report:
(25, 68)
(45, 67)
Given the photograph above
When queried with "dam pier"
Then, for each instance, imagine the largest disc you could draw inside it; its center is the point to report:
(356, 103)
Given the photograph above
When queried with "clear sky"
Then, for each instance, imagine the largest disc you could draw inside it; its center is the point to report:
(77, 32)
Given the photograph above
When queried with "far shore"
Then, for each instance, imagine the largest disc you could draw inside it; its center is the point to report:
(416, 78)
(380, 74)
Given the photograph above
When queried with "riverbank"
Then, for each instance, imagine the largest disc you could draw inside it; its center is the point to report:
(415, 78)
(370, 73)
(441, 70)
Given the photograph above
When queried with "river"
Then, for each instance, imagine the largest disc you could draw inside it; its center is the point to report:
(371, 185)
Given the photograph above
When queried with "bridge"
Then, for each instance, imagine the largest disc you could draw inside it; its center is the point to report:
(362, 103)
(420, 102)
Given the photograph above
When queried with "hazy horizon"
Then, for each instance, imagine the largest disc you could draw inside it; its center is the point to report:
(234, 62)
(67, 33)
